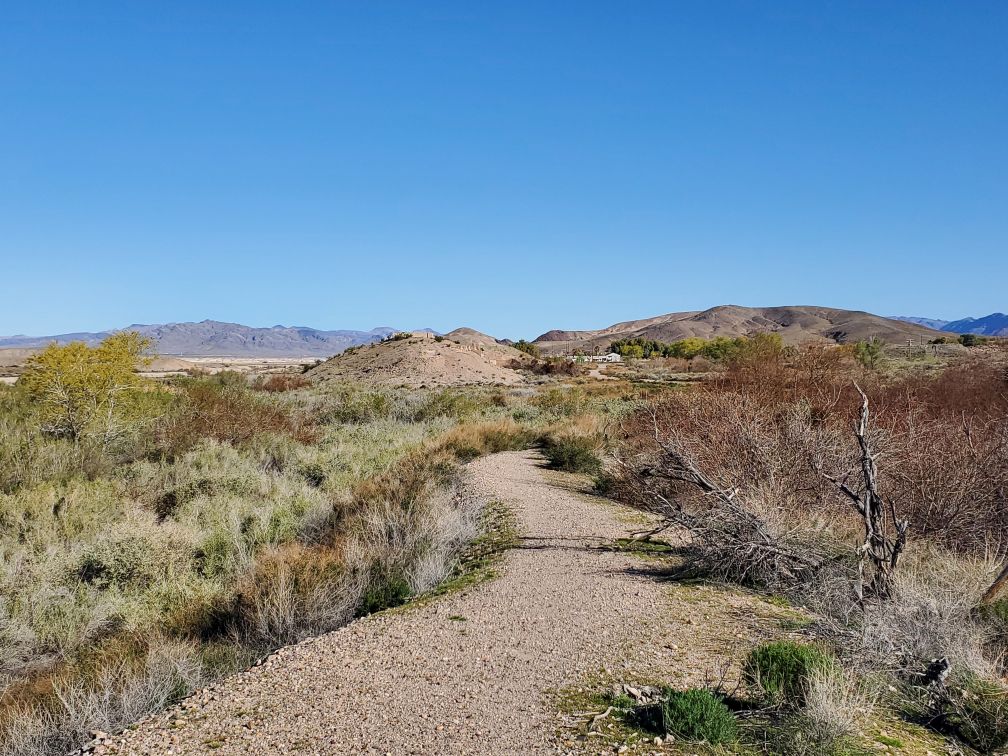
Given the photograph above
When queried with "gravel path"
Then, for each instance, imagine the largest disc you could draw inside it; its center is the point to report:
(471, 672)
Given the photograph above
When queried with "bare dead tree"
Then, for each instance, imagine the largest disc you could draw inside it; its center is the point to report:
(729, 538)
(885, 533)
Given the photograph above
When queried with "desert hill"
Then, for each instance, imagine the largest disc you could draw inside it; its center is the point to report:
(215, 338)
(796, 324)
(461, 357)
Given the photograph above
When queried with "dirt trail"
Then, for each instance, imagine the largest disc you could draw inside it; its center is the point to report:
(472, 672)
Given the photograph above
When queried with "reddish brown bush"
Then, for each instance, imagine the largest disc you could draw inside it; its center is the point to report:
(231, 414)
(554, 366)
(280, 382)
(781, 427)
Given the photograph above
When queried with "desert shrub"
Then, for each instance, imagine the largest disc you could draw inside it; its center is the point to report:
(780, 672)
(309, 365)
(400, 336)
(930, 614)
(112, 692)
(570, 453)
(294, 592)
(227, 413)
(695, 715)
(243, 519)
(384, 590)
(944, 439)
(29, 457)
(452, 404)
(838, 703)
(280, 382)
(473, 440)
(226, 379)
(971, 340)
(870, 353)
(555, 366)
(128, 562)
(562, 402)
(350, 405)
(972, 707)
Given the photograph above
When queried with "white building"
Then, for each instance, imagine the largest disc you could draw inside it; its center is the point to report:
(611, 357)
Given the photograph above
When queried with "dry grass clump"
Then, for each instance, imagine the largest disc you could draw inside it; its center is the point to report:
(476, 439)
(292, 592)
(114, 691)
(838, 704)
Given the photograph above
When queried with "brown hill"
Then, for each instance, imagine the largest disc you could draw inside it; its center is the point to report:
(796, 325)
(462, 357)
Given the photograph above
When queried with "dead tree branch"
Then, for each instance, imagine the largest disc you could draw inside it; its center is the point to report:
(885, 533)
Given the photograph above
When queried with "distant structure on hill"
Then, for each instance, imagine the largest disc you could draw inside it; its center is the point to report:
(611, 357)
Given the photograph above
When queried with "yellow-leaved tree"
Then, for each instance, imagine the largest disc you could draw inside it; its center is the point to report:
(86, 393)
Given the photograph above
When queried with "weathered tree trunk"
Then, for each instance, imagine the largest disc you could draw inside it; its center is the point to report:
(885, 533)
(998, 590)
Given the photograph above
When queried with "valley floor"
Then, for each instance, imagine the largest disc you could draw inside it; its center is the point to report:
(481, 670)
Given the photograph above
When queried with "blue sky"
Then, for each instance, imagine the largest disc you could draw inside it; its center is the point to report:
(510, 166)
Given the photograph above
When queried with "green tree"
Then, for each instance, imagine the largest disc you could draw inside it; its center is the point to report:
(80, 392)
(723, 348)
(869, 353)
(688, 348)
(525, 346)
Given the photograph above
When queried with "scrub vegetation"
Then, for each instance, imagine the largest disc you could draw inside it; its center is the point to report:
(874, 501)
(158, 535)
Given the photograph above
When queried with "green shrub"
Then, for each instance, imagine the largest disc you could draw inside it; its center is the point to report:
(869, 353)
(386, 590)
(455, 405)
(604, 484)
(971, 340)
(562, 402)
(977, 711)
(779, 672)
(401, 336)
(572, 454)
(696, 715)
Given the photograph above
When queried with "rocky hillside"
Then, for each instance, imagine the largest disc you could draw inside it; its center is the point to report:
(795, 325)
(214, 338)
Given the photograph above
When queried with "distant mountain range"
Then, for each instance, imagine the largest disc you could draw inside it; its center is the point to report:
(795, 324)
(214, 338)
(995, 324)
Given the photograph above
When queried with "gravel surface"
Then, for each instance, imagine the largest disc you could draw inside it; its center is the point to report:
(471, 672)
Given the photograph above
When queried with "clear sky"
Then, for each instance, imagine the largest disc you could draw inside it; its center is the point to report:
(511, 166)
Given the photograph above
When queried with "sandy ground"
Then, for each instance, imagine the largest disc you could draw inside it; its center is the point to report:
(475, 671)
